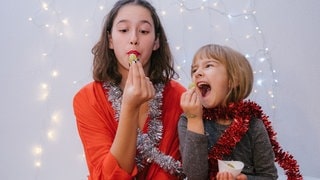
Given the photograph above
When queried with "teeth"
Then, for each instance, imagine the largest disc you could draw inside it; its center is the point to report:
(132, 58)
(201, 84)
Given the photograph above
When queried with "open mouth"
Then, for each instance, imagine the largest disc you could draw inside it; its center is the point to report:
(204, 88)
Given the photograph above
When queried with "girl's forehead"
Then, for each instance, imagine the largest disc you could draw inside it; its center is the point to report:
(200, 60)
(134, 12)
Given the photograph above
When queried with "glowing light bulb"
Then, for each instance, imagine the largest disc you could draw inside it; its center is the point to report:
(37, 163)
(45, 6)
(54, 73)
(55, 118)
(51, 134)
(262, 59)
(44, 86)
(259, 82)
(65, 21)
(37, 150)
(44, 96)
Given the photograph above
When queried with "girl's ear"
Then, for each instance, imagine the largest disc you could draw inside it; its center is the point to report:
(110, 40)
(156, 44)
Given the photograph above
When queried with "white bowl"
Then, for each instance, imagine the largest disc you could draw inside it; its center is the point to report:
(234, 167)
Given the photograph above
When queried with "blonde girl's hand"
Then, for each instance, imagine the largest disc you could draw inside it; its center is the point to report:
(224, 176)
(138, 88)
(229, 176)
(191, 106)
(241, 177)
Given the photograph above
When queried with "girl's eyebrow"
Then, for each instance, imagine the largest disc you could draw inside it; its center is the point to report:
(141, 22)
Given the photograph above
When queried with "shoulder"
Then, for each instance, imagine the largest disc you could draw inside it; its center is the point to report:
(257, 127)
(256, 123)
(88, 91)
(89, 87)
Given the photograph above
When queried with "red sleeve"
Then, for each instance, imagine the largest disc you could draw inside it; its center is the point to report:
(97, 128)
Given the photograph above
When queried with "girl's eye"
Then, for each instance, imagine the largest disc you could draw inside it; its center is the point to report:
(193, 71)
(144, 31)
(123, 30)
(209, 65)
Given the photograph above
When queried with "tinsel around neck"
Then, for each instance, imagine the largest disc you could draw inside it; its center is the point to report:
(241, 113)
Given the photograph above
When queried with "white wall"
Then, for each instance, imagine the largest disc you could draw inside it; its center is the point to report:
(36, 106)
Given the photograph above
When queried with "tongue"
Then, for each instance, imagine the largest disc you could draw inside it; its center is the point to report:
(204, 89)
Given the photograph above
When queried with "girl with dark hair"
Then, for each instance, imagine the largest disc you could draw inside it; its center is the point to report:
(127, 117)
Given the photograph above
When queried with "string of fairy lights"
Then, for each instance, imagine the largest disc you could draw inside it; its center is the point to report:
(222, 21)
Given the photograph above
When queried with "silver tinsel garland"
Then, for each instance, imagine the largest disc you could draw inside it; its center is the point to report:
(147, 143)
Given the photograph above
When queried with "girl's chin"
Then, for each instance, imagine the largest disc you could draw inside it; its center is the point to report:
(207, 102)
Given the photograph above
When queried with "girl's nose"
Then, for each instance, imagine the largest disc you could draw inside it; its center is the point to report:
(133, 42)
(198, 73)
(134, 38)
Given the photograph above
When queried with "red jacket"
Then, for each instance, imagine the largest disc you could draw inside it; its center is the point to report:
(97, 128)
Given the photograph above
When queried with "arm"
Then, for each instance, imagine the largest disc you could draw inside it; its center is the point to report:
(97, 127)
(263, 155)
(193, 142)
(111, 146)
(137, 91)
(194, 152)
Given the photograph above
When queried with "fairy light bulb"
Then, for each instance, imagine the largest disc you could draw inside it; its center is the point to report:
(45, 6)
(65, 21)
(259, 82)
(37, 150)
(37, 163)
(51, 135)
(54, 73)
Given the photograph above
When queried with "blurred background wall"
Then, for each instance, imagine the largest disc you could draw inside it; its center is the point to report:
(46, 58)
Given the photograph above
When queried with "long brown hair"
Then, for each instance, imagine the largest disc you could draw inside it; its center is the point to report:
(105, 66)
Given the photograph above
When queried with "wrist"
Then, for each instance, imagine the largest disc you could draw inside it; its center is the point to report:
(195, 124)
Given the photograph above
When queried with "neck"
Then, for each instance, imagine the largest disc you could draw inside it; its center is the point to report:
(224, 121)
